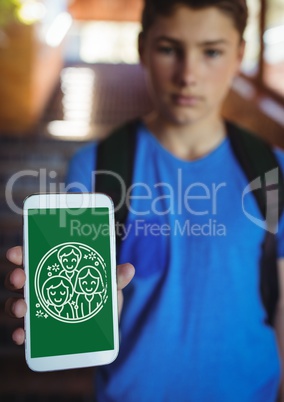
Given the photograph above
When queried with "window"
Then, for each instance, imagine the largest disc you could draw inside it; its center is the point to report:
(264, 57)
(252, 35)
(273, 73)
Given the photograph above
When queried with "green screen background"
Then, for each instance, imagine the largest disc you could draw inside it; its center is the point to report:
(50, 337)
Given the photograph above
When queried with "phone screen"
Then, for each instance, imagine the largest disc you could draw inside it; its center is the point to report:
(70, 291)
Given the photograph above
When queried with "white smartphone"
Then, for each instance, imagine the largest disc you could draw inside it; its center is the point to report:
(71, 293)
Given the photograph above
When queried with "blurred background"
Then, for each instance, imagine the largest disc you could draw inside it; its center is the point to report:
(69, 72)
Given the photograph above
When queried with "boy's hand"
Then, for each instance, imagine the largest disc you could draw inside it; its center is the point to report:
(15, 281)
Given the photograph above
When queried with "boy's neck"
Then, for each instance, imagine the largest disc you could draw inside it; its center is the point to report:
(188, 142)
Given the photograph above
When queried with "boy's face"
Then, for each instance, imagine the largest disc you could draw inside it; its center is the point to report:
(190, 59)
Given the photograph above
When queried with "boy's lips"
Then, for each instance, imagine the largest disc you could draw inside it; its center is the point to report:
(186, 100)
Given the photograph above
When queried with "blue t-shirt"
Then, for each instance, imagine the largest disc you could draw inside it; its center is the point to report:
(192, 326)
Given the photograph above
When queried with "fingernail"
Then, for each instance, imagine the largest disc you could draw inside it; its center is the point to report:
(13, 308)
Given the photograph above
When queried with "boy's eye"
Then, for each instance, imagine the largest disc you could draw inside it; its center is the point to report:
(73, 260)
(213, 53)
(62, 293)
(167, 50)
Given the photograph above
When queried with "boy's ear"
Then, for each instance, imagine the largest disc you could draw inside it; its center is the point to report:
(241, 52)
(239, 59)
(242, 49)
(141, 46)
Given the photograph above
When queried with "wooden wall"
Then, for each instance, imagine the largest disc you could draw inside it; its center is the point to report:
(112, 10)
(28, 70)
(256, 111)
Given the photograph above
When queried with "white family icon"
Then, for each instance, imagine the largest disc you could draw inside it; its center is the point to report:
(71, 283)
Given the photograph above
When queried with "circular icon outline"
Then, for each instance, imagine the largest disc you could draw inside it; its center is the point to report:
(37, 286)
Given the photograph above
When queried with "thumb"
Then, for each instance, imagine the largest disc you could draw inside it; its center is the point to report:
(125, 273)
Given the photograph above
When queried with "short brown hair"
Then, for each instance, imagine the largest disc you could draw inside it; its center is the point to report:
(235, 9)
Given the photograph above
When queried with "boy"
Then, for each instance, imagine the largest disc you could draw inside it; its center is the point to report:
(193, 325)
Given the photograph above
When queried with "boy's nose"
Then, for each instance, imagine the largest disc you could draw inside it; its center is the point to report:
(187, 71)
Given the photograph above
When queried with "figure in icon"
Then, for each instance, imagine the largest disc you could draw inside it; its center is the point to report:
(57, 292)
(89, 288)
(69, 257)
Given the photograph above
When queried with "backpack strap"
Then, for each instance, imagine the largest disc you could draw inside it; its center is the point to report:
(256, 158)
(114, 168)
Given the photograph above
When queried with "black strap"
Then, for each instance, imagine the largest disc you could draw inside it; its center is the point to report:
(114, 170)
(257, 158)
